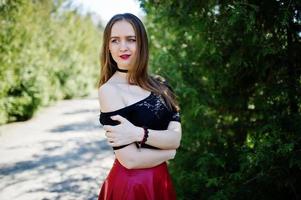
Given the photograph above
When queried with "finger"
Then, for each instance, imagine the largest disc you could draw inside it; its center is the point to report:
(110, 135)
(108, 128)
(112, 143)
(107, 133)
(110, 140)
(118, 118)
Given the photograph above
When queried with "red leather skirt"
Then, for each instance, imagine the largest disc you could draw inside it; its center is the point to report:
(137, 184)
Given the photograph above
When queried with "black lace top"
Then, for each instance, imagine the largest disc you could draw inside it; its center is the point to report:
(151, 112)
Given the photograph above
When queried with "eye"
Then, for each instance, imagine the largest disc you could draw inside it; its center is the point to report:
(114, 41)
(132, 40)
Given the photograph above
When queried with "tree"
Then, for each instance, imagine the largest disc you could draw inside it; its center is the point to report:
(46, 54)
(236, 69)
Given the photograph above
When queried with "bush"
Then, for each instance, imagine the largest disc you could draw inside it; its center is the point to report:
(46, 54)
(236, 70)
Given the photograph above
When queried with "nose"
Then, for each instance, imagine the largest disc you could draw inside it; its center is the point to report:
(123, 46)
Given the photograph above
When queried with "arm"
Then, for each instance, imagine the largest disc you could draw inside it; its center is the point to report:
(129, 156)
(163, 139)
(127, 133)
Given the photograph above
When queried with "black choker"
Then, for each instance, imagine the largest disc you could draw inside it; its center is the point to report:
(122, 70)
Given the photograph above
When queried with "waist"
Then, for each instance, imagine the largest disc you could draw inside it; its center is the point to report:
(119, 166)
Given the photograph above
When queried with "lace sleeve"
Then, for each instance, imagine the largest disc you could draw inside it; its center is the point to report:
(175, 116)
(105, 119)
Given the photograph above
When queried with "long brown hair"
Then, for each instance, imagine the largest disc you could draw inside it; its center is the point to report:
(138, 75)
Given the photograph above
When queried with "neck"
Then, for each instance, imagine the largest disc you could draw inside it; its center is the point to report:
(122, 70)
(121, 76)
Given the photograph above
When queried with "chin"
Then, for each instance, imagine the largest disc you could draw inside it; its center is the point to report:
(124, 65)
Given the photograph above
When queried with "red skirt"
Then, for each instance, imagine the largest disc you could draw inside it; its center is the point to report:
(137, 184)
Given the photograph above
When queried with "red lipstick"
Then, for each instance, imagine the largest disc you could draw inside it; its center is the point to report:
(125, 56)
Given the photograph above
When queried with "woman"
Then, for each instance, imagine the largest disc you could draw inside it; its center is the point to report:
(139, 113)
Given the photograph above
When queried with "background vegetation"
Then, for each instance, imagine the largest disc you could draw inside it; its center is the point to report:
(46, 53)
(235, 66)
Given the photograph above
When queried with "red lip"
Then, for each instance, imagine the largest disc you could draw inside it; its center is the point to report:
(125, 56)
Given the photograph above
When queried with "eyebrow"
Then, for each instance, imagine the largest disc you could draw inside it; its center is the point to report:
(125, 36)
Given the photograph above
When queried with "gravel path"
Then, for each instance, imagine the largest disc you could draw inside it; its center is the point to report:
(60, 154)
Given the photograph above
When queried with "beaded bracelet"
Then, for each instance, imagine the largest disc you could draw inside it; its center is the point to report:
(145, 136)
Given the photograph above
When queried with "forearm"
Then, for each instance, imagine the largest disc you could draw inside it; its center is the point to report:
(162, 139)
(132, 158)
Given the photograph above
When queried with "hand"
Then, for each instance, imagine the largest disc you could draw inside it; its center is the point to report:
(123, 133)
(173, 153)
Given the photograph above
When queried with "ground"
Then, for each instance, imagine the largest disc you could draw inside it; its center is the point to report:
(60, 154)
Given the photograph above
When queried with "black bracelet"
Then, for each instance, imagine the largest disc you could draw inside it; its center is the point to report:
(145, 136)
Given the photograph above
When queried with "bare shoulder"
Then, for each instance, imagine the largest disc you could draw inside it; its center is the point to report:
(107, 89)
(109, 98)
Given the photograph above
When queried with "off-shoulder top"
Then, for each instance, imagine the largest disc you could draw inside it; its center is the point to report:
(151, 112)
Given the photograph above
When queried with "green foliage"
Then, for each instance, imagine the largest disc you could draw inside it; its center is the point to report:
(46, 54)
(236, 69)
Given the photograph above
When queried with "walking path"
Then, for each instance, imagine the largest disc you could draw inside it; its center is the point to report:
(60, 154)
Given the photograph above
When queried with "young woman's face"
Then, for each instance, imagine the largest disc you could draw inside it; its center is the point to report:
(122, 44)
